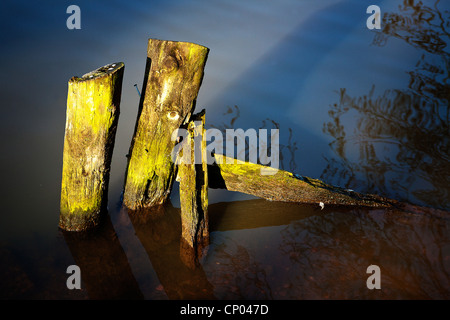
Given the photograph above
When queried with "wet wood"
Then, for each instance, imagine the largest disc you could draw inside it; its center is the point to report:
(280, 185)
(193, 178)
(172, 81)
(91, 122)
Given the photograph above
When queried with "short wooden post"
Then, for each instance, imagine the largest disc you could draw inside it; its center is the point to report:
(168, 100)
(91, 121)
(193, 177)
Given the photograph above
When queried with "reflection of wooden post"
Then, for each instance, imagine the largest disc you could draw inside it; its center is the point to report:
(193, 176)
(158, 229)
(91, 121)
(174, 78)
(105, 271)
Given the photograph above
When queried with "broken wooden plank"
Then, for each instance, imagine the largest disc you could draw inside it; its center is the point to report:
(91, 122)
(193, 178)
(236, 175)
(172, 81)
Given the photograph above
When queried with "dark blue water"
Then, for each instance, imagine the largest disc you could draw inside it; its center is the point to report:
(363, 109)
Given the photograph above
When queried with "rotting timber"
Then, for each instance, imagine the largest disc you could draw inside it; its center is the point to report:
(193, 178)
(280, 185)
(173, 77)
(91, 123)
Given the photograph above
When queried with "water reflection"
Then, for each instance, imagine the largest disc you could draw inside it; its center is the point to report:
(259, 250)
(266, 250)
(398, 143)
(243, 269)
(159, 231)
(330, 253)
(104, 266)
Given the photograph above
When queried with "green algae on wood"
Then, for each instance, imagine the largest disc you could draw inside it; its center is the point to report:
(92, 115)
(236, 175)
(193, 178)
(172, 81)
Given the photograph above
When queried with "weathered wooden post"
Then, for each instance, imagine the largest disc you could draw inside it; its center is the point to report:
(193, 178)
(168, 100)
(91, 121)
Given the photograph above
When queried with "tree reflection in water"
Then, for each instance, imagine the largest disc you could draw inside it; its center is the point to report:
(331, 252)
(237, 274)
(403, 136)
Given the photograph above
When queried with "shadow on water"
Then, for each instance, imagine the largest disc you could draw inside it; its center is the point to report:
(402, 137)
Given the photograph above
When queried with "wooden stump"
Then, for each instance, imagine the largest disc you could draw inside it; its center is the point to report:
(174, 75)
(193, 178)
(91, 121)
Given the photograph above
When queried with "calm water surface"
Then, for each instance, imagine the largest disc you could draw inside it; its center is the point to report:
(366, 110)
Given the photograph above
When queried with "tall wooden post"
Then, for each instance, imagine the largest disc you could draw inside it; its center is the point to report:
(193, 177)
(91, 121)
(167, 101)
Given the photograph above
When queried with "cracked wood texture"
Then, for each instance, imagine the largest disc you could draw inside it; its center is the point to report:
(193, 178)
(173, 77)
(91, 122)
(279, 185)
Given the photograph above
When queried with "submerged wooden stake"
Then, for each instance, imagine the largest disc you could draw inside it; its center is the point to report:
(246, 177)
(91, 121)
(193, 178)
(173, 79)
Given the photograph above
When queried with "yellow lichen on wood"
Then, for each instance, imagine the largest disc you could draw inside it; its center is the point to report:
(246, 177)
(91, 121)
(173, 77)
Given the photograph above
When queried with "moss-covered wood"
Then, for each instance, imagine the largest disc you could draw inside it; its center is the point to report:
(91, 121)
(193, 178)
(172, 81)
(246, 177)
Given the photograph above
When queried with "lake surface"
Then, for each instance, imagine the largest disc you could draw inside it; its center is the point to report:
(362, 109)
